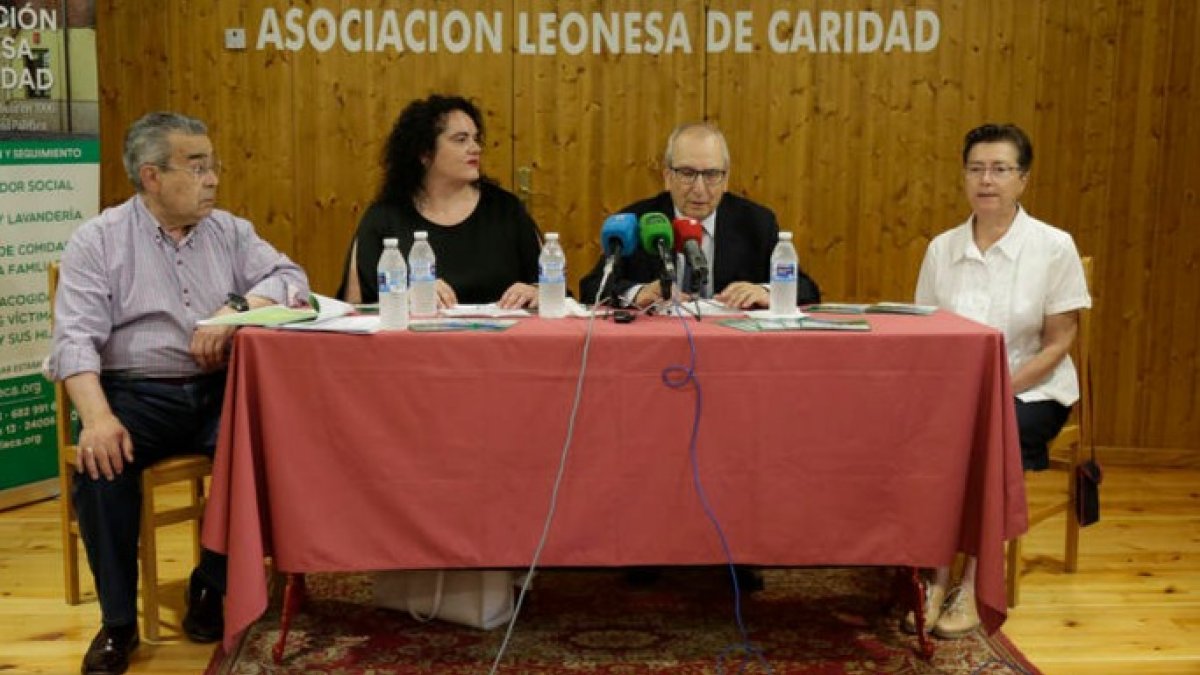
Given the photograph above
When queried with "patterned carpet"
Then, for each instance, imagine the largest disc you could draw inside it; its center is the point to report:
(806, 621)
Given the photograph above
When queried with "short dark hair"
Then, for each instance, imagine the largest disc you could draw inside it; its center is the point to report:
(1001, 133)
(414, 136)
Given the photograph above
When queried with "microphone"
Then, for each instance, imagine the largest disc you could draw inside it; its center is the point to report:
(658, 239)
(689, 233)
(618, 235)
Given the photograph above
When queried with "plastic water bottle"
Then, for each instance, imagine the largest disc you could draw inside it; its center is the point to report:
(785, 267)
(422, 267)
(552, 279)
(393, 287)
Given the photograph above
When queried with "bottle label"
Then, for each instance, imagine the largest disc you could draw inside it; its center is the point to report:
(785, 272)
(552, 273)
(390, 281)
(424, 273)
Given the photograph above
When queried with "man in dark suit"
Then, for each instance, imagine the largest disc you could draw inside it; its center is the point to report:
(739, 235)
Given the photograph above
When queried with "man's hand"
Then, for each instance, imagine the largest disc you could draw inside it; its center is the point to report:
(517, 296)
(104, 448)
(210, 344)
(744, 295)
(651, 293)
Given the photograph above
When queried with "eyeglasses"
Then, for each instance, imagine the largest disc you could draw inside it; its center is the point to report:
(1000, 172)
(198, 170)
(687, 175)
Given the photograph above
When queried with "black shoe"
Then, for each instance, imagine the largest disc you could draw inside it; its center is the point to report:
(109, 652)
(205, 619)
(749, 579)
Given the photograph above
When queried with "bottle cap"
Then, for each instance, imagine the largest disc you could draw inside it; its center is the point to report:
(785, 236)
(391, 242)
(420, 235)
(551, 236)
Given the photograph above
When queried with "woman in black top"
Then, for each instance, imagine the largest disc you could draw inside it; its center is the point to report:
(486, 243)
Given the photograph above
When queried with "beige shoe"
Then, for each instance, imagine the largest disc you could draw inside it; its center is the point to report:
(959, 617)
(934, 597)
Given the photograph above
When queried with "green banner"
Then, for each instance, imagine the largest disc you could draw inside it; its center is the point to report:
(50, 152)
(47, 188)
(28, 448)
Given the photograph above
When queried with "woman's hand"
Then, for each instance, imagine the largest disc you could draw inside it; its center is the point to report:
(519, 295)
(445, 295)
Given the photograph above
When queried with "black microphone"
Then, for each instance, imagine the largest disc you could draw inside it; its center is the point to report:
(689, 233)
(658, 238)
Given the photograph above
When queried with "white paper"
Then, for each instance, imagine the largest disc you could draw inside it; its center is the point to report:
(709, 307)
(768, 314)
(359, 323)
(490, 310)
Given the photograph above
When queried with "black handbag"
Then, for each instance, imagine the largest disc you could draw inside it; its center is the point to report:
(1088, 475)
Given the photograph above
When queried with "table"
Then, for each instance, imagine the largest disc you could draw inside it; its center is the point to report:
(438, 450)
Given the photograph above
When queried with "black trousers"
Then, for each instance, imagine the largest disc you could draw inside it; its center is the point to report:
(164, 420)
(1038, 422)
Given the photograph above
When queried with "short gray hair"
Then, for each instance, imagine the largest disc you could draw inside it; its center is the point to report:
(146, 141)
(669, 154)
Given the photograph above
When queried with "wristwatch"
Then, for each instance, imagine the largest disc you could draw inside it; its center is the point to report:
(237, 303)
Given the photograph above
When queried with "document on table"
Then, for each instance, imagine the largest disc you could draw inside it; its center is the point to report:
(490, 310)
(320, 308)
(710, 307)
(358, 323)
(794, 322)
(768, 314)
(877, 308)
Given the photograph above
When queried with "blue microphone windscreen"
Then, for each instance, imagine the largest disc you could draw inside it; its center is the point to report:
(622, 227)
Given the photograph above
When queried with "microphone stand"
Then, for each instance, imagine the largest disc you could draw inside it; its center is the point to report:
(612, 272)
(667, 277)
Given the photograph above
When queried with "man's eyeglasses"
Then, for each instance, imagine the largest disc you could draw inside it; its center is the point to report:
(1000, 172)
(688, 175)
(198, 170)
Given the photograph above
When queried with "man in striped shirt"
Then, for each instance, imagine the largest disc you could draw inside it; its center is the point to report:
(146, 381)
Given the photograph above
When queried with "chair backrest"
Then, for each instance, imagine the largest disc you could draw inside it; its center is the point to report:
(62, 404)
(1081, 354)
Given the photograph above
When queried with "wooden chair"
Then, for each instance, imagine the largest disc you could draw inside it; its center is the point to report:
(1066, 451)
(191, 468)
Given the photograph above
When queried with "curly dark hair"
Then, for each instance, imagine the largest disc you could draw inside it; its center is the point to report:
(415, 136)
(1001, 133)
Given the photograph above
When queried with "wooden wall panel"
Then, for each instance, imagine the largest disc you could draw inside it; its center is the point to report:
(859, 154)
(1172, 402)
(134, 75)
(345, 110)
(592, 129)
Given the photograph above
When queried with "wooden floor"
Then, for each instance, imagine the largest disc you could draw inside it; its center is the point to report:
(1133, 607)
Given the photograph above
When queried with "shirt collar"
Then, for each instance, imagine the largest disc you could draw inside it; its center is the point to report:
(149, 224)
(1009, 245)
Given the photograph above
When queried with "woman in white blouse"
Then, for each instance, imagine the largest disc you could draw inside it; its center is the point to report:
(1004, 268)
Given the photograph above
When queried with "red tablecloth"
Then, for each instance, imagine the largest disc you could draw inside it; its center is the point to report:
(410, 450)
